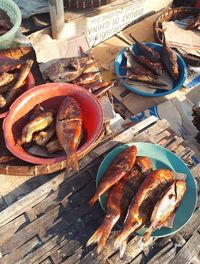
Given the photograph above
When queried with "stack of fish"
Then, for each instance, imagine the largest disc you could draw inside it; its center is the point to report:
(56, 130)
(13, 74)
(151, 64)
(82, 71)
(137, 193)
(5, 23)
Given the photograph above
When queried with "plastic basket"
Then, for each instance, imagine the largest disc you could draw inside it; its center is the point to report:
(13, 11)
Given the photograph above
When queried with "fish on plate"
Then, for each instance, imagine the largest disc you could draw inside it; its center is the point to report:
(166, 206)
(69, 125)
(142, 205)
(119, 167)
(118, 200)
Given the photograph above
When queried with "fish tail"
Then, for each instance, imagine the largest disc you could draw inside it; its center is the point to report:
(72, 163)
(147, 234)
(122, 238)
(101, 235)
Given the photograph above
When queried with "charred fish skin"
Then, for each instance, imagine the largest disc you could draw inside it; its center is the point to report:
(169, 59)
(117, 202)
(144, 79)
(155, 67)
(69, 124)
(8, 64)
(166, 206)
(119, 167)
(138, 215)
(150, 53)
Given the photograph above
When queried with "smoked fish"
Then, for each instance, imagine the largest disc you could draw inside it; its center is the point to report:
(119, 167)
(69, 124)
(166, 206)
(38, 124)
(8, 64)
(145, 79)
(148, 52)
(142, 205)
(169, 59)
(118, 200)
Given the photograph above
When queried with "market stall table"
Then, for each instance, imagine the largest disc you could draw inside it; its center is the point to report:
(53, 223)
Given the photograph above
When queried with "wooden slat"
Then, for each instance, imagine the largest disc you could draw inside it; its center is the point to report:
(189, 251)
(161, 254)
(196, 170)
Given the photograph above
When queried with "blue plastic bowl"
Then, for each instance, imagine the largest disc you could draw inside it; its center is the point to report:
(161, 158)
(121, 61)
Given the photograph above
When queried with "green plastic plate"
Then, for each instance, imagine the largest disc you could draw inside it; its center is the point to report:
(161, 158)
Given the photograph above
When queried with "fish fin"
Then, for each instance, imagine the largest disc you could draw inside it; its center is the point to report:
(72, 162)
(122, 237)
(122, 248)
(148, 233)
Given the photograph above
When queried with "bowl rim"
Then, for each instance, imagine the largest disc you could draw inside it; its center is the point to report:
(125, 145)
(17, 24)
(42, 160)
(133, 89)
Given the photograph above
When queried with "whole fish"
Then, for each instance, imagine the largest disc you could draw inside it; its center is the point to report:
(140, 71)
(39, 123)
(7, 64)
(193, 23)
(155, 67)
(97, 85)
(119, 167)
(24, 71)
(142, 205)
(105, 88)
(144, 79)
(118, 200)
(166, 206)
(69, 124)
(148, 52)
(169, 58)
(6, 78)
(87, 78)
(15, 53)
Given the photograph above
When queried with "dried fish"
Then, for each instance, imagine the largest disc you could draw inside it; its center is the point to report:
(38, 124)
(6, 78)
(119, 167)
(193, 23)
(155, 67)
(166, 206)
(15, 53)
(118, 200)
(142, 205)
(53, 146)
(87, 78)
(148, 52)
(140, 71)
(169, 58)
(2, 101)
(7, 64)
(43, 137)
(68, 129)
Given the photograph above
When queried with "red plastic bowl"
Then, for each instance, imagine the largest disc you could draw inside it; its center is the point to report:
(30, 83)
(50, 96)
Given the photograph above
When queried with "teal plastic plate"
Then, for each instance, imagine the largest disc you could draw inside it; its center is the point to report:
(161, 158)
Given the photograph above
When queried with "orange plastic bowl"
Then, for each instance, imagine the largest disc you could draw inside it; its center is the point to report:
(50, 96)
(30, 83)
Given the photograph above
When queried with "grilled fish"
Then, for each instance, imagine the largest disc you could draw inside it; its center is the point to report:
(119, 167)
(38, 124)
(148, 52)
(5, 78)
(2, 101)
(68, 129)
(140, 71)
(43, 137)
(106, 86)
(142, 205)
(193, 23)
(87, 78)
(169, 58)
(118, 201)
(144, 79)
(7, 64)
(166, 206)
(155, 67)
(15, 53)
(20, 82)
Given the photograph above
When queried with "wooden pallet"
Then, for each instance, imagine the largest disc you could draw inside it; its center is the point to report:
(52, 223)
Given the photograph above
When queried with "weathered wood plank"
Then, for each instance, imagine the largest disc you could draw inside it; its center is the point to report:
(157, 257)
(160, 136)
(189, 251)
(176, 141)
(9, 230)
(21, 252)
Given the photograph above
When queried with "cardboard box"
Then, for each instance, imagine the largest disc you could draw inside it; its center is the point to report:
(104, 22)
